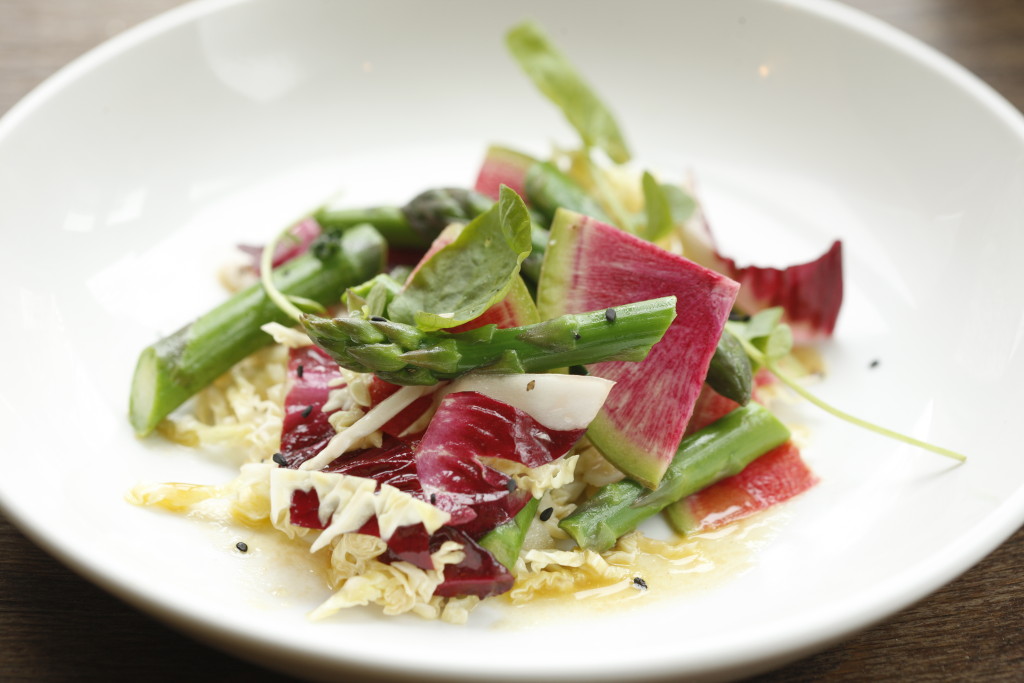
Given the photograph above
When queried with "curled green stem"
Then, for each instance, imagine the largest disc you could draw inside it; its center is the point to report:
(842, 415)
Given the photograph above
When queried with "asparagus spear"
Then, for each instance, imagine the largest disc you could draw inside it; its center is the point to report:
(506, 540)
(402, 354)
(730, 372)
(414, 225)
(720, 450)
(548, 189)
(417, 223)
(170, 371)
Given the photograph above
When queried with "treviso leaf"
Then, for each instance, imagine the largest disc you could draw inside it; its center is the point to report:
(555, 76)
(471, 274)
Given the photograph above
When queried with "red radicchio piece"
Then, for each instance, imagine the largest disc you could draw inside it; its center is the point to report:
(810, 293)
(479, 574)
(295, 243)
(306, 430)
(467, 425)
(396, 426)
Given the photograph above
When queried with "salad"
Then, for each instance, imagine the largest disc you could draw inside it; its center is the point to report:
(486, 392)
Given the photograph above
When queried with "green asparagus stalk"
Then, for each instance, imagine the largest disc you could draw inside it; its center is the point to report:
(415, 225)
(720, 450)
(548, 189)
(506, 540)
(402, 354)
(730, 372)
(172, 370)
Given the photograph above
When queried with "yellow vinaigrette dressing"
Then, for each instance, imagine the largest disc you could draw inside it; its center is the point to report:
(659, 570)
(638, 571)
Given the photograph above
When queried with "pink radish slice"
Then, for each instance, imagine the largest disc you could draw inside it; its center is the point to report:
(773, 478)
(589, 266)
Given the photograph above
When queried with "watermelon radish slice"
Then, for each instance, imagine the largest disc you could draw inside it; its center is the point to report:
(503, 166)
(811, 293)
(776, 476)
(529, 419)
(591, 265)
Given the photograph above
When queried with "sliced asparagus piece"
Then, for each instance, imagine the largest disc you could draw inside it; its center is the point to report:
(720, 450)
(506, 540)
(172, 370)
(402, 354)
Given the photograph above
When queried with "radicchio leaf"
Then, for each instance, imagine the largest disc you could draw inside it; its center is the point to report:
(293, 243)
(393, 463)
(810, 293)
(469, 424)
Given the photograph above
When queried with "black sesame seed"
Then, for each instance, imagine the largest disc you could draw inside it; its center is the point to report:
(874, 363)
(576, 335)
(639, 583)
(307, 411)
(610, 315)
(433, 499)
(578, 370)
(299, 371)
(280, 460)
(546, 514)
(739, 317)
(511, 485)
(242, 547)
(378, 319)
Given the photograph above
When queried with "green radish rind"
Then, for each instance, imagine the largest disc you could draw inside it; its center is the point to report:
(590, 265)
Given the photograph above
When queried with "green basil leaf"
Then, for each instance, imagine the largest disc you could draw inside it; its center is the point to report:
(555, 76)
(658, 209)
(471, 274)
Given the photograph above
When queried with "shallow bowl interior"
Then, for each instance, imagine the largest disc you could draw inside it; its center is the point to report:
(129, 176)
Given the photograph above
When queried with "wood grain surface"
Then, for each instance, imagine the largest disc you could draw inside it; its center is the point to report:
(56, 626)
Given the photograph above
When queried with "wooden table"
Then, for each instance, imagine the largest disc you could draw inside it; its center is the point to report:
(56, 626)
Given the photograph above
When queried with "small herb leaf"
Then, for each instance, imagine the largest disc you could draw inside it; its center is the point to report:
(556, 77)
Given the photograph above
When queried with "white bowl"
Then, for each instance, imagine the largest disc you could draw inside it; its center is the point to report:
(128, 176)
